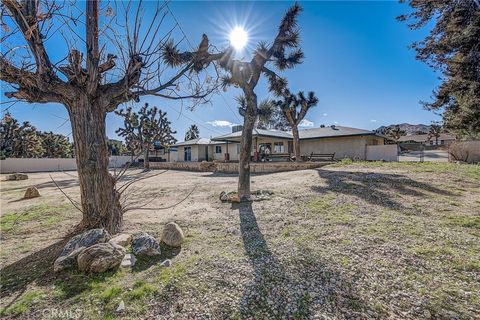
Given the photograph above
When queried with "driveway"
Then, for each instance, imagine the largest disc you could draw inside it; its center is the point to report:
(429, 155)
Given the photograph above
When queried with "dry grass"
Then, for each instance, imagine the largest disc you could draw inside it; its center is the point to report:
(364, 240)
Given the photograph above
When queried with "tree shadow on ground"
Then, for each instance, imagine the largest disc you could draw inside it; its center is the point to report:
(166, 252)
(376, 188)
(36, 267)
(64, 184)
(297, 288)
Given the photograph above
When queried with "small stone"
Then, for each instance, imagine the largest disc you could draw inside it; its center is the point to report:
(223, 196)
(233, 231)
(145, 244)
(100, 257)
(128, 261)
(122, 239)
(31, 192)
(166, 263)
(427, 314)
(120, 307)
(172, 235)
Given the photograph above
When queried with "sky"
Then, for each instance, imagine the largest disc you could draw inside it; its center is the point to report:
(357, 61)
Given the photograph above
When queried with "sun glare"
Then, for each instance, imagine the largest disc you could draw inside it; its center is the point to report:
(238, 38)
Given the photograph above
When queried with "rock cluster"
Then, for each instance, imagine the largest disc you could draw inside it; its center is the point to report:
(76, 245)
(95, 251)
(17, 176)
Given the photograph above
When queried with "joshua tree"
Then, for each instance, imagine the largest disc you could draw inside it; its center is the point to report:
(146, 127)
(395, 132)
(56, 145)
(246, 75)
(19, 141)
(115, 147)
(434, 131)
(91, 82)
(192, 133)
(294, 109)
(270, 117)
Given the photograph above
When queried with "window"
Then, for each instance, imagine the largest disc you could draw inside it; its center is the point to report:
(218, 149)
(278, 147)
(187, 154)
(238, 148)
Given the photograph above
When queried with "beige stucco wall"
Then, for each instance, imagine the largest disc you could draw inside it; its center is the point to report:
(181, 153)
(232, 150)
(387, 152)
(344, 147)
(10, 165)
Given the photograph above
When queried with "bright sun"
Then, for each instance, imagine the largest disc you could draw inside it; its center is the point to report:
(238, 38)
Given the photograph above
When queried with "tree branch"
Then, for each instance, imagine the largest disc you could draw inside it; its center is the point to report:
(93, 55)
(25, 15)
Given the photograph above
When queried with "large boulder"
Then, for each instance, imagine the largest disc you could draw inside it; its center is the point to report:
(122, 239)
(86, 239)
(68, 261)
(172, 235)
(31, 192)
(145, 244)
(100, 257)
(17, 176)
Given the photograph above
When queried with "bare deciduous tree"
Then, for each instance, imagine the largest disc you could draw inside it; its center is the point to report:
(106, 64)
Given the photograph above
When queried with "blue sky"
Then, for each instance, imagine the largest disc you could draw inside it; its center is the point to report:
(357, 61)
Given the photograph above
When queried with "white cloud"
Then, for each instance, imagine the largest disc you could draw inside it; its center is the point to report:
(373, 120)
(335, 122)
(306, 123)
(221, 123)
(325, 114)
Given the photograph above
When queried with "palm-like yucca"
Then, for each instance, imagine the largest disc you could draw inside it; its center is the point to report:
(283, 53)
(295, 108)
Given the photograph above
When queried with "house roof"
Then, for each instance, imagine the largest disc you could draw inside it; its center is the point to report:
(235, 136)
(425, 137)
(313, 133)
(198, 141)
(333, 131)
(192, 142)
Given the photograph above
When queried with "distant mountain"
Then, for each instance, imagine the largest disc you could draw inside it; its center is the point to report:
(407, 127)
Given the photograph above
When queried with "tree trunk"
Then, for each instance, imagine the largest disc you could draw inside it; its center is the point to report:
(296, 143)
(246, 144)
(146, 155)
(100, 201)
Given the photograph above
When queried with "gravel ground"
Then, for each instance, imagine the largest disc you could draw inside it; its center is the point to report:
(349, 241)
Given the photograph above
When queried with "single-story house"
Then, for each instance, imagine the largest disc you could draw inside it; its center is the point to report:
(342, 141)
(428, 140)
(204, 149)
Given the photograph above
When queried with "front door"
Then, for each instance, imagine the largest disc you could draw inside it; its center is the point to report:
(187, 154)
(206, 153)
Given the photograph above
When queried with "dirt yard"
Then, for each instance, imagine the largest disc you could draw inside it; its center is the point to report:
(347, 241)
